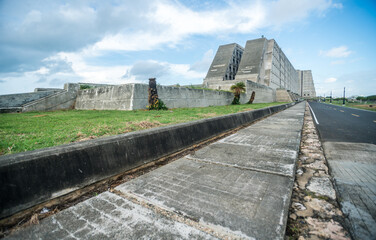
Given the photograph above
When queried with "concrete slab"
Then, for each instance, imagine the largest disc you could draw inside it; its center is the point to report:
(353, 166)
(266, 159)
(246, 203)
(269, 146)
(108, 216)
(241, 184)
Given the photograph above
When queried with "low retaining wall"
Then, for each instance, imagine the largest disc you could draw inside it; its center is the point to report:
(30, 178)
(17, 100)
(135, 96)
(58, 101)
(263, 94)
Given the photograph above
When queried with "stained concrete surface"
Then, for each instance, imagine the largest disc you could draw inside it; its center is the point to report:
(241, 187)
(245, 203)
(109, 216)
(353, 167)
(221, 198)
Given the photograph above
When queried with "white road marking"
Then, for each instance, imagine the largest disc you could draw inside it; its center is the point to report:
(341, 111)
(355, 115)
(317, 122)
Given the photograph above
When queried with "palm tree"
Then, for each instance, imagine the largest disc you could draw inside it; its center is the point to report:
(237, 89)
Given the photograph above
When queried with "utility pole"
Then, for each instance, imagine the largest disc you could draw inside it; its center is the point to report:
(344, 88)
(331, 96)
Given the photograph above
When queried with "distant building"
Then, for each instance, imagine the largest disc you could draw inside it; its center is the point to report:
(307, 89)
(261, 61)
(224, 66)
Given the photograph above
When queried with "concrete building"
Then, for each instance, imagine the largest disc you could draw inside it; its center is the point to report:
(224, 67)
(307, 89)
(262, 62)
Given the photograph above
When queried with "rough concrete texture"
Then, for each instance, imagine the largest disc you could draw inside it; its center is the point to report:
(106, 97)
(322, 186)
(225, 62)
(64, 99)
(216, 186)
(17, 100)
(250, 63)
(30, 178)
(283, 96)
(135, 96)
(314, 212)
(109, 216)
(263, 93)
(353, 167)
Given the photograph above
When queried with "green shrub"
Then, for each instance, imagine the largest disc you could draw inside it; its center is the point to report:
(85, 86)
(158, 105)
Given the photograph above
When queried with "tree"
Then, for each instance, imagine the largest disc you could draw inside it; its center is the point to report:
(237, 89)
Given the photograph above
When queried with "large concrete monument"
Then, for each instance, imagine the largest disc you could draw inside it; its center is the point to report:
(263, 62)
(224, 66)
(307, 89)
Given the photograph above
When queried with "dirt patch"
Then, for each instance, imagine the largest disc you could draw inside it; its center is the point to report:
(206, 115)
(370, 106)
(146, 124)
(246, 110)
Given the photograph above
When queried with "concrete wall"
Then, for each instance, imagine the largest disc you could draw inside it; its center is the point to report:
(108, 97)
(283, 96)
(263, 94)
(135, 96)
(61, 100)
(17, 100)
(33, 177)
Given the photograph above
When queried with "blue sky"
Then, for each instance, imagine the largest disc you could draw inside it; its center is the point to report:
(49, 43)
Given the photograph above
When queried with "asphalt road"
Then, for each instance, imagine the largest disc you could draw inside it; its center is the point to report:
(349, 140)
(343, 124)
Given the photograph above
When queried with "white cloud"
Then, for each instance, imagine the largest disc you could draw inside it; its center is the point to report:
(53, 41)
(336, 52)
(338, 62)
(171, 22)
(204, 64)
(338, 5)
(330, 80)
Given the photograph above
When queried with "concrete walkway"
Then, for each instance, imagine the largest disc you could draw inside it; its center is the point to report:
(238, 187)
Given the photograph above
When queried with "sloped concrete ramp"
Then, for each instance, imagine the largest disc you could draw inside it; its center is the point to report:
(238, 187)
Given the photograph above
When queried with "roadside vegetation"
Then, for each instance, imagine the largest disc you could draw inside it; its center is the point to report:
(237, 89)
(365, 104)
(29, 131)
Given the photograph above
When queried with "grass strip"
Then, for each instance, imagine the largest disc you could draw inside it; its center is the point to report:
(365, 106)
(21, 132)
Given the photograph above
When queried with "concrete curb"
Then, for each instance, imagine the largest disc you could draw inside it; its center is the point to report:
(30, 178)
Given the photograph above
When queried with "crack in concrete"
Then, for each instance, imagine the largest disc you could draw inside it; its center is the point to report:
(189, 157)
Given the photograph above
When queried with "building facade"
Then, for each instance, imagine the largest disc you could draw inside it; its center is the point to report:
(224, 66)
(307, 89)
(262, 61)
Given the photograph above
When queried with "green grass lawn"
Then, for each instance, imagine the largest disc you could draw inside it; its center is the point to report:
(29, 131)
(365, 106)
